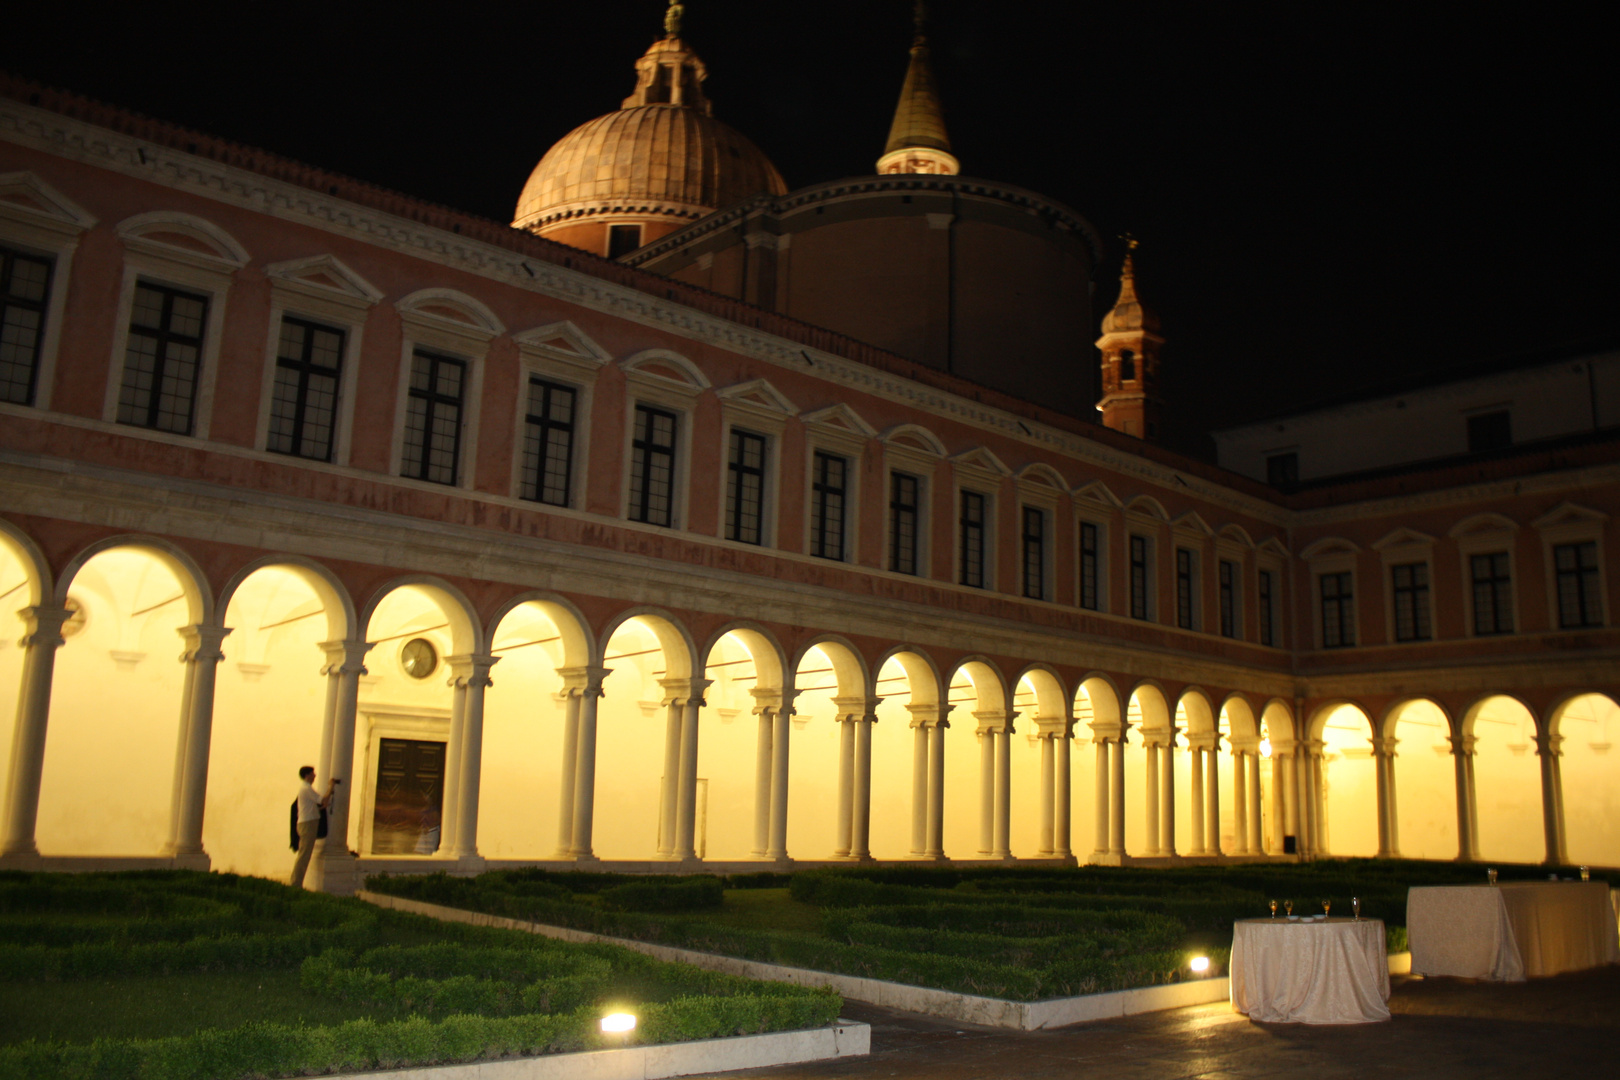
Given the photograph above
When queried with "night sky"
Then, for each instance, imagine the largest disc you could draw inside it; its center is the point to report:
(1328, 196)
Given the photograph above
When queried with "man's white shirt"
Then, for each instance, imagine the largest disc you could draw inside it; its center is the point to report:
(309, 803)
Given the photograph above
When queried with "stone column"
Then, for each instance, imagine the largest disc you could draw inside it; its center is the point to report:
(201, 656)
(567, 768)
(669, 785)
(936, 786)
(1150, 797)
(1550, 748)
(1257, 843)
(1048, 795)
(987, 790)
(1062, 844)
(1196, 841)
(1167, 793)
(471, 675)
(1104, 803)
(1389, 846)
(920, 717)
(861, 812)
(767, 702)
(779, 779)
(1116, 786)
(585, 774)
(345, 663)
(1003, 738)
(1318, 798)
(1212, 796)
(1280, 800)
(1240, 806)
(39, 645)
(686, 811)
(844, 837)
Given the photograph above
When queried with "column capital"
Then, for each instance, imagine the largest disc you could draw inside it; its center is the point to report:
(345, 657)
(1384, 746)
(994, 720)
(1244, 744)
(1283, 746)
(1102, 732)
(470, 669)
(202, 643)
(45, 621)
(1462, 745)
(857, 708)
(766, 701)
(1048, 727)
(1549, 745)
(685, 690)
(1204, 740)
(586, 680)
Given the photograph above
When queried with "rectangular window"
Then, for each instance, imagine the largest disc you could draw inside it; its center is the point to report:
(162, 359)
(652, 466)
(1140, 559)
(548, 442)
(1088, 566)
(745, 489)
(970, 528)
(1186, 589)
(1490, 431)
(1034, 553)
(1229, 585)
(1338, 611)
(905, 514)
(25, 282)
(623, 239)
(1268, 630)
(1580, 603)
(1282, 470)
(433, 418)
(1411, 587)
(1493, 593)
(829, 496)
(303, 403)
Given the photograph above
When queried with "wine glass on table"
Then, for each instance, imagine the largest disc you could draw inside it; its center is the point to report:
(1274, 909)
(1327, 908)
(1355, 904)
(1288, 908)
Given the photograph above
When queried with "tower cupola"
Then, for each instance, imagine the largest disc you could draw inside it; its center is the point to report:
(917, 140)
(1130, 344)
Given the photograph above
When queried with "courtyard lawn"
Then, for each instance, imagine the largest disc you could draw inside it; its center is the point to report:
(215, 977)
(1023, 934)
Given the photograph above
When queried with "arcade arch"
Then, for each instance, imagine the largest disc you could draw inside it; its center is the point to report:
(1418, 740)
(1589, 771)
(744, 669)
(978, 825)
(908, 714)
(1507, 780)
(1349, 793)
(831, 740)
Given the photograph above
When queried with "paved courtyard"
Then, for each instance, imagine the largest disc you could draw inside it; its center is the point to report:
(1568, 1025)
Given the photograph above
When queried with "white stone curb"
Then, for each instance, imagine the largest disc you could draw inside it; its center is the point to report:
(843, 1039)
(968, 1008)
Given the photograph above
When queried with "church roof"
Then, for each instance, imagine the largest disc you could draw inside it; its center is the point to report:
(1129, 314)
(918, 118)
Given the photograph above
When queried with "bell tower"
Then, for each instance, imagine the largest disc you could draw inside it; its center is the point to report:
(917, 140)
(1130, 346)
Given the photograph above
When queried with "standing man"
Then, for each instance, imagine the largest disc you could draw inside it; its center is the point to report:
(308, 811)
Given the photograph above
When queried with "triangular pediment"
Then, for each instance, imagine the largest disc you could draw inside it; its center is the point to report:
(759, 394)
(840, 418)
(326, 276)
(981, 457)
(1274, 546)
(1098, 493)
(1569, 514)
(25, 197)
(563, 341)
(1192, 522)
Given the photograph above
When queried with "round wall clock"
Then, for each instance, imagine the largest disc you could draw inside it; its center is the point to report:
(419, 658)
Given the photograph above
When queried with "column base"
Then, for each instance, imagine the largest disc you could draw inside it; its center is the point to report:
(21, 860)
(471, 863)
(193, 860)
(337, 873)
(1106, 858)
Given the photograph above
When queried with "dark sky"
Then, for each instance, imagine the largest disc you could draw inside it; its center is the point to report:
(1327, 195)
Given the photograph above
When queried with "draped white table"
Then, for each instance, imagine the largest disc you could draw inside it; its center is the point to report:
(1511, 931)
(1310, 971)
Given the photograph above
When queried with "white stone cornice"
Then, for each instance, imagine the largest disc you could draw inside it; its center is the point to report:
(1490, 491)
(56, 134)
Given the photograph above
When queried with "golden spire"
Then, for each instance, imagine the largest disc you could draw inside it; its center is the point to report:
(672, 19)
(917, 140)
(1128, 312)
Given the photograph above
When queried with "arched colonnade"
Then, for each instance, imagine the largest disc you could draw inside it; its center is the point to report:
(639, 734)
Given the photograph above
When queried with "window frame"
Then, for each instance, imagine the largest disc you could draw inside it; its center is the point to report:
(1421, 596)
(987, 532)
(526, 421)
(573, 364)
(1189, 615)
(47, 224)
(918, 511)
(1404, 547)
(1572, 524)
(166, 336)
(1042, 589)
(1229, 592)
(437, 357)
(1342, 579)
(1141, 568)
(1590, 620)
(1497, 607)
(1490, 534)
(736, 472)
(339, 399)
(455, 340)
(10, 253)
(1265, 601)
(1100, 579)
(816, 533)
(679, 421)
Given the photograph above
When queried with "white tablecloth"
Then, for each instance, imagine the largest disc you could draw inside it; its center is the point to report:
(1323, 971)
(1511, 931)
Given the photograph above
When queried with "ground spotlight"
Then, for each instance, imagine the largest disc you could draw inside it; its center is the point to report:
(618, 1023)
(1200, 964)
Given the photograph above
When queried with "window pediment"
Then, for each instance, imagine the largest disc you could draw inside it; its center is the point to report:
(982, 464)
(450, 311)
(1098, 494)
(666, 369)
(325, 277)
(1567, 515)
(1403, 538)
(1329, 547)
(914, 438)
(1192, 524)
(758, 395)
(563, 342)
(1146, 506)
(25, 197)
(183, 238)
(1483, 525)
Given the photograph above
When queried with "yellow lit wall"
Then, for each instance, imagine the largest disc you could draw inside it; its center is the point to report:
(14, 598)
(1425, 783)
(1349, 784)
(630, 746)
(523, 732)
(1507, 783)
(1591, 772)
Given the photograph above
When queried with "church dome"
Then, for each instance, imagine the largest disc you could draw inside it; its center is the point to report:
(660, 161)
(661, 158)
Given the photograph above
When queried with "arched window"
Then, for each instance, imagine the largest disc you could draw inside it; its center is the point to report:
(1127, 366)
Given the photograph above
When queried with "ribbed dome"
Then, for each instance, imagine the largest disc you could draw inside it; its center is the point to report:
(659, 158)
(1129, 313)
